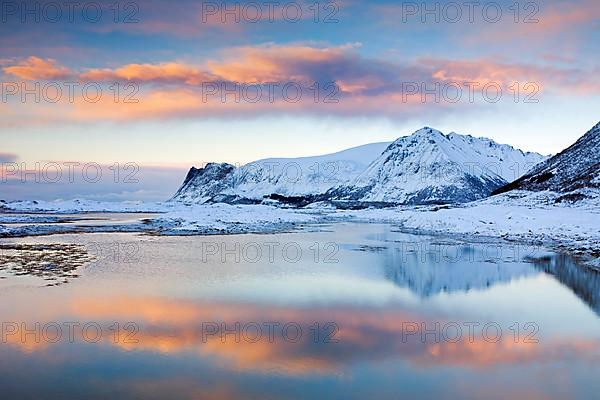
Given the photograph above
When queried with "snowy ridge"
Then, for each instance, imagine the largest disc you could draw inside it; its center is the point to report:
(305, 175)
(284, 176)
(575, 170)
(430, 167)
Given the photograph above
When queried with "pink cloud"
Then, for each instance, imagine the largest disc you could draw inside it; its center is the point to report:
(163, 72)
(484, 71)
(272, 63)
(35, 68)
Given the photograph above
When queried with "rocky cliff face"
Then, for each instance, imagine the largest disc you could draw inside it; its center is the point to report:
(213, 183)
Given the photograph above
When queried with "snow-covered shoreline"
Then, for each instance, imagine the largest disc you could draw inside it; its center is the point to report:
(517, 217)
(231, 219)
(28, 218)
(522, 217)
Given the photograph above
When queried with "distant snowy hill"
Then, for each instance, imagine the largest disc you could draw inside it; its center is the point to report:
(430, 167)
(575, 170)
(283, 176)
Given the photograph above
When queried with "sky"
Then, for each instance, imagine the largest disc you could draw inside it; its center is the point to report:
(139, 91)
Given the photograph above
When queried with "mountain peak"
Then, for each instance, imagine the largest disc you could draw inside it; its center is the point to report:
(423, 135)
(428, 131)
(430, 167)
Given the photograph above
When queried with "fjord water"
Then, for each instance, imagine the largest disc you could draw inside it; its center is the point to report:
(339, 311)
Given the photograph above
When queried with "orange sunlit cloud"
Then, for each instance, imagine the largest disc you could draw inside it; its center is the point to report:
(163, 72)
(35, 68)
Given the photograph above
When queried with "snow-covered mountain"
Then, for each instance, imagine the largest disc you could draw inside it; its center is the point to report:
(283, 176)
(575, 170)
(425, 167)
(430, 167)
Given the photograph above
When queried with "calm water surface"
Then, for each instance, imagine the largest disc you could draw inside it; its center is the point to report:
(346, 311)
